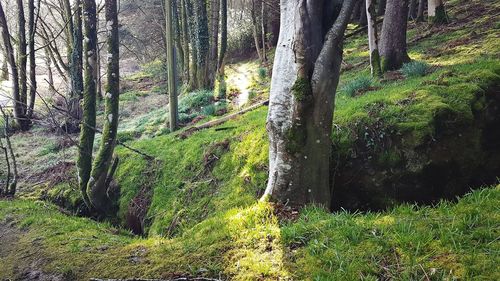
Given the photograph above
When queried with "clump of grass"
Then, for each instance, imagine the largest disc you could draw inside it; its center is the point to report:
(262, 72)
(357, 85)
(415, 69)
(195, 100)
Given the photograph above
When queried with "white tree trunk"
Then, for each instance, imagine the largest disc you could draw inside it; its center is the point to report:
(432, 5)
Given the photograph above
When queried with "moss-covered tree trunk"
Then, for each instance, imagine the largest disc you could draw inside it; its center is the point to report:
(437, 12)
(381, 7)
(172, 75)
(185, 41)
(22, 58)
(299, 123)
(76, 66)
(87, 127)
(104, 166)
(202, 44)
(19, 107)
(393, 38)
(214, 39)
(221, 83)
(191, 15)
(31, 43)
(371, 16)
(176, 25)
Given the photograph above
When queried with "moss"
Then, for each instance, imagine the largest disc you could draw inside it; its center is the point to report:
(301, 89)
(375, 64)
(296, 138)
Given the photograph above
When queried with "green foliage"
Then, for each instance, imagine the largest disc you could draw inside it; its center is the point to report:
(415, 69)
(195, 100)
(357, 86)
(262, 72)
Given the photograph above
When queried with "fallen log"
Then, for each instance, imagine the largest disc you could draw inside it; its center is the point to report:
(189, 131)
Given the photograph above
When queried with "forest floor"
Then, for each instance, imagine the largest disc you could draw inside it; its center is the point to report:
(200, 216)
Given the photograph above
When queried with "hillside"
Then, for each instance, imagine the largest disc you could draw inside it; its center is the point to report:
(416, 190)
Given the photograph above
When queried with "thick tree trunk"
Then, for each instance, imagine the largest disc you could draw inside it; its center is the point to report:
(87, 128)
(371, 16)
(172, 77)
(202, 44)
(436, 12)
(308, 59)
(19, 107)
(362, 17)
(393, 39)
(104, 166)
(421, 8)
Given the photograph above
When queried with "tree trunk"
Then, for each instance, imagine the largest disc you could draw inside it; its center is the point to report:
(202, 44)
(104, 166)
(436, 12)
(256, 30)
(221, 83)
(263, 30)
(185, 41)
(87, 128)
(22, 58)
(393, 39)
(412, 14)
(214, 38)
(19, 107)
(193, 80)
(172, 85)
(76, 68)
(32, 31)
(421, 8)
(176, 25)
(362, 16)
(381, 7)
(371, 16)
(299, 123)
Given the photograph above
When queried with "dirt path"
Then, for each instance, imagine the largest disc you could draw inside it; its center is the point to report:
(241, 79)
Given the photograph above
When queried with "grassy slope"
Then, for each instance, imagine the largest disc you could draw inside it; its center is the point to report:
(217, 228)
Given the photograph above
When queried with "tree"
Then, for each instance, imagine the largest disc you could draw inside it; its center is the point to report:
(420, 12)
(412, 14)
(76, 67)
(371, 16)
(214, 38)
(299, 124)
(19, 106)
(221, 83)
(171, 68)
(87, 127)
(105, 165)
(185, 40)
(202, 44)
(436, 12)
(22, 58)
(31, 44)
(393, 38)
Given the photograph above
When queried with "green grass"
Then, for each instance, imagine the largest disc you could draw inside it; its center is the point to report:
(448, 241)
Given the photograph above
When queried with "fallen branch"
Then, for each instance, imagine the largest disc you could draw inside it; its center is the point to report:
(186, 133)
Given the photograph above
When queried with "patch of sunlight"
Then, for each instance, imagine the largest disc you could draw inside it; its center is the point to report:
(258, 251)
(239, 79)
(385, 221)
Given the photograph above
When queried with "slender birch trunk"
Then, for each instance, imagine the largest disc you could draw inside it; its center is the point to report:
(371, 17)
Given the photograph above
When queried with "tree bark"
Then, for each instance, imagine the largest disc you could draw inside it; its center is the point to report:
(214, 38)
(76, 67)
(221, 83)
(421, 8)
(412, 14)
(87, 127)
(104, 165)
(381, 7)
(185, 41)
(299, 123)
(193, 80)
(436, 12)
(393, 39)
(19, 107)
(32, 31)
(22, 57)
(202, 44)
(371, 16)
(255, 29)
(172, 85)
